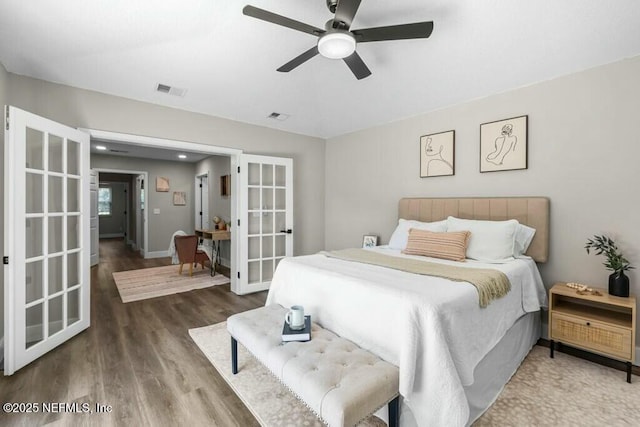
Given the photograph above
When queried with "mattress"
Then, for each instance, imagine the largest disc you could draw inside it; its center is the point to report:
(433, 329)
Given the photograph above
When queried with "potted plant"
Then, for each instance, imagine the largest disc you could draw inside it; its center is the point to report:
(616, 262)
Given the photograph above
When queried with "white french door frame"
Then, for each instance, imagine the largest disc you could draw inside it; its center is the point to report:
(234, 155)
(202, 203)
(146, 213)
(16, 330)
(259, 199)
(137, 196)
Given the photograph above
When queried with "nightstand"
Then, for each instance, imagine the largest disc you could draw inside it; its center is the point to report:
(602, 324)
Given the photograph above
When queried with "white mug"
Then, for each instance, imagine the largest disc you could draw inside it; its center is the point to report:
(295, 317)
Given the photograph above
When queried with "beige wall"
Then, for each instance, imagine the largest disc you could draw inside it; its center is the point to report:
(584, 152)
(171, 218)
(3, 100)
(88, 109)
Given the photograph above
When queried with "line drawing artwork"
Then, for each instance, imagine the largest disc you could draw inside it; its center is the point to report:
(435, 156)
(503, 145)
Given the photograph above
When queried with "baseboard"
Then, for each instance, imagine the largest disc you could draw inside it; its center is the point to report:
(593, 357)
(156, 254)
(110, 236)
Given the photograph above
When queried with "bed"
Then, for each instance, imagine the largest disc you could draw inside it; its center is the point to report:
(454, 356)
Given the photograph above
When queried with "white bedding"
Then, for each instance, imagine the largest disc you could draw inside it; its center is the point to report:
(433, 329)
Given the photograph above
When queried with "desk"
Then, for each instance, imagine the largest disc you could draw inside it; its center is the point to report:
(215, 236)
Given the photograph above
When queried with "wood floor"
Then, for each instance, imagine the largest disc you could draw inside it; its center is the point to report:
(137, 357)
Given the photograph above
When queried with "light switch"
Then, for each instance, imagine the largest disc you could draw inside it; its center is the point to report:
(156, 211)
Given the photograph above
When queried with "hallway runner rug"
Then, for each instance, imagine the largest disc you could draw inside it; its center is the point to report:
(136, 285)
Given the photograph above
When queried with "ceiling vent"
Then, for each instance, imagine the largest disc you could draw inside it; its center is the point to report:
(278, 116)
(170, 90)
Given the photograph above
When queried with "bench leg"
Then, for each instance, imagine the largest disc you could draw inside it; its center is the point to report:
(394, 412)
(234, 356)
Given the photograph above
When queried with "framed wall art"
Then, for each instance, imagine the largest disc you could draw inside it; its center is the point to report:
(162, 184)
(503, 145)
(437, 154)
(179, 198)
(225, 185)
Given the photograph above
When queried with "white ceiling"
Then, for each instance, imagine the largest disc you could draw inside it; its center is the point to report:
(123, 149)
(227, 61)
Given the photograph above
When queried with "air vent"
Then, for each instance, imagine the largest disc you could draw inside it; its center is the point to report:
(278, 116)
(163, 88)
(170, 90)
(118, 151)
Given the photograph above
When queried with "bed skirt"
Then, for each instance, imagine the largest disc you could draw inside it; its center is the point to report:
(495, 369)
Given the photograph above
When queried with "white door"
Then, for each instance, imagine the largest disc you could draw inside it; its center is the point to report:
(94, 220)
(265, 219)
(202, 202)
(143, 205)
(47, 237)
(139, 202)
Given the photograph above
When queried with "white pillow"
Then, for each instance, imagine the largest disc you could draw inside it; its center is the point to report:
(524, 236)
(491, 241)
(400, 236)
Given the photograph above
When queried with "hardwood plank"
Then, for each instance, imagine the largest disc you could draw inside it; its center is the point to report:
(137, 357)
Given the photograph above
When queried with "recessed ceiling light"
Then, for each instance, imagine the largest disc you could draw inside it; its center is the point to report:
(182, 156)
(101, 147)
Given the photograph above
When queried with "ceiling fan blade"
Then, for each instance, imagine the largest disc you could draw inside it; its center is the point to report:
(265, 15)
(299, 60)
(418, 30)
(357, 66)
(345, 11)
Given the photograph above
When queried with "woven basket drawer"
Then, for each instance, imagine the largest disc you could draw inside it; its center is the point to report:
(597, 336)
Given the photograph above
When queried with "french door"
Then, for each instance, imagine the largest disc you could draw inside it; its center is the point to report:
(266, 219)
(94, 220)
(47, 245)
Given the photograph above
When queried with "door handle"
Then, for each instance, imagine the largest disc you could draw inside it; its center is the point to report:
(288, 231)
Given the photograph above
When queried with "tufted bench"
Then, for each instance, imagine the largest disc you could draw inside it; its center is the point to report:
(339, 381)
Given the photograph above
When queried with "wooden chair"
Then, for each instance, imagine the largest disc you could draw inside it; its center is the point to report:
(187, 249)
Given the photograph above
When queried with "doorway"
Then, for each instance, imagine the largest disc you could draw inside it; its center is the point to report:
(202, 202)
(131, 222)
(189, 147)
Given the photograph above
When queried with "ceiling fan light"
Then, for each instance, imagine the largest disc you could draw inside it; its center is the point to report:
(336, 45)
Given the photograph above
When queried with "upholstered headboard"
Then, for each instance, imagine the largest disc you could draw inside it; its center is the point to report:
(531, 211)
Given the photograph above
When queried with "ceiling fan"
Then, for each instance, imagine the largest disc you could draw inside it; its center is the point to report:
(337, 40)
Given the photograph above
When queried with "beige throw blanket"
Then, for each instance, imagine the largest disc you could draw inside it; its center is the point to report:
(491, 284)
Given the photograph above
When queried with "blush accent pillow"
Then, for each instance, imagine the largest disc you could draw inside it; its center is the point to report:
(491, 241)
(399, 237)
(451, 246)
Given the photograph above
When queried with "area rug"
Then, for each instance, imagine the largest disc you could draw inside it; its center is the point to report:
(267, 399)
(563, 391)
(136, 285)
